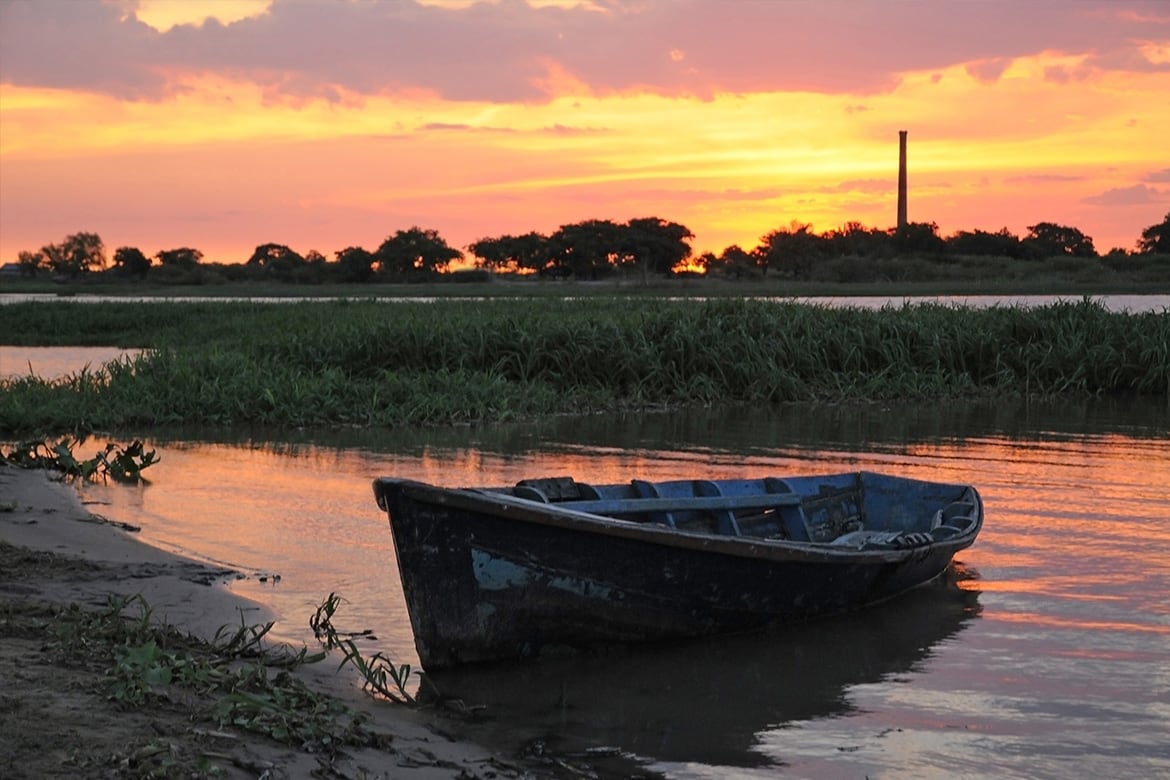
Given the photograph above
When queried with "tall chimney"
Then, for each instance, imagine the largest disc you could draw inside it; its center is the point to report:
(901, 179)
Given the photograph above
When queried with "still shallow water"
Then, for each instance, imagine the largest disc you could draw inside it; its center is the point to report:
(1046, 653)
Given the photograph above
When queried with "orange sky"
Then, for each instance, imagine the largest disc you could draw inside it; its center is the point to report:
(225, 124)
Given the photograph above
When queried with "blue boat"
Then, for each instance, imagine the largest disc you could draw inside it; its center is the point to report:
(554, 565)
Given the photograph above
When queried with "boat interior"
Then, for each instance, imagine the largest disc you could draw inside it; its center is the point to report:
(858, 510)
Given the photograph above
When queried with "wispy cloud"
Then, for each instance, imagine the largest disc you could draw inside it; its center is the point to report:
(506, 51)
(1129, 196)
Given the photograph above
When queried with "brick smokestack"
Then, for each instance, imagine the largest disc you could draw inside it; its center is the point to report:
(901, 179)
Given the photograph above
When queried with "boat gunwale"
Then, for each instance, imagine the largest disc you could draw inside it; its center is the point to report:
(498, 503)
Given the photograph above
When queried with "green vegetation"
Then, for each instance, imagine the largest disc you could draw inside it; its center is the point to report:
(384, 365)
(380, 676)
(120, 463)
(233, 682)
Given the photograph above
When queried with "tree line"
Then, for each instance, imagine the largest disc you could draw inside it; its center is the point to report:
(592, 249)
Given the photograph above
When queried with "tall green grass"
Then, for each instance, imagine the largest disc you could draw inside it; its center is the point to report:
(390, 364)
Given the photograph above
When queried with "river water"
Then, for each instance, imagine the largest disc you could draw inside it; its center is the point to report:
(1045, 653)
(1119, 303)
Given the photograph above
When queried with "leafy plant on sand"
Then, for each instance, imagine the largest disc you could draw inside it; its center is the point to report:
(249, 687)
(117, 462)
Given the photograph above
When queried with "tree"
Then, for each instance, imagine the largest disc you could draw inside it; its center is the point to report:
(586, 250)
(185, 258)
(1156, 238)
(792, 251)
(654, 245)
(855, 239)
(530, 251)
(415, 250)
(733, 262)
(921, 237)
(30, 262)
(356, 264)
(1048, 239)
(276, 259)
(77, 254)
(983, 244)
(129, 261)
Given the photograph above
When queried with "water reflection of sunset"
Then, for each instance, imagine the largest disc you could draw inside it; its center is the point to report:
(1069, 521)
(1058, 624)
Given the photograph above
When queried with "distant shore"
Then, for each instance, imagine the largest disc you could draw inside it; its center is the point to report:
(521, 287)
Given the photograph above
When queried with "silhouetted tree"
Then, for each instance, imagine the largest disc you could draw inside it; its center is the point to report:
(77, 254)
(654, 245)
(275, 259)
(415, 250)
(981, 243)
(856, 239)
(356, 264)
(530, 251)
(129, 261)
(185, 258)
(1156, 238)
(918, 237)
(1047, 239)
(586, 250)
(31, 262)
(791, 252)
(733, 262)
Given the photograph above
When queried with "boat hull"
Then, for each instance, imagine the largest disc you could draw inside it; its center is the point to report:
(490, 577)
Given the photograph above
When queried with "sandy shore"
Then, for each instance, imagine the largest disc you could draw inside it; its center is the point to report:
(56, 719)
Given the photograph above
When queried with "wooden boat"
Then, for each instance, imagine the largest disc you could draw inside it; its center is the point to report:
(555, 564)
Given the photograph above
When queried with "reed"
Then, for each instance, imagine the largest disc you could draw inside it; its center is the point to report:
(391, 364)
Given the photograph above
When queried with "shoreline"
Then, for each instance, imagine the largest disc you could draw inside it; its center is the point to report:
(57, 553)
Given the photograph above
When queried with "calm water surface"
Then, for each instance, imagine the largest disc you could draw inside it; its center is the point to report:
(57, 362)
(1045, 653)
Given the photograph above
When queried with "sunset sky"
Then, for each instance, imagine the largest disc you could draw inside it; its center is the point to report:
(324, 124)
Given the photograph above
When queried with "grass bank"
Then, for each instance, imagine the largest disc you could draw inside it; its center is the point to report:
(384, 365)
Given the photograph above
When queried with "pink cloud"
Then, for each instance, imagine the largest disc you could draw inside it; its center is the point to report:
(1138, 194)
(862, 185)
(1042, 178)
(988, 71)
(503, 51)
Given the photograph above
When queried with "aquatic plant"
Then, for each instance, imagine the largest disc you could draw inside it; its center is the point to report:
(121, 463)
(451, 361)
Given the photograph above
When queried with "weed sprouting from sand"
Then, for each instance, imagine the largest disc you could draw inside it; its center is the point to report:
(380, 675)
(145, 661)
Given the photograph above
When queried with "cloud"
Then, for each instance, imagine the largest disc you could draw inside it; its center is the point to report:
(460, 127)
(1138, 194)
(863, 185)
(507, 51)
(1042, 178)
(568, 130)
(1158, 176)
(988, 71)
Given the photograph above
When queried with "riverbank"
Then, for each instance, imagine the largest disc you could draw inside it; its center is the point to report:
(1141, 275)
(60, 715)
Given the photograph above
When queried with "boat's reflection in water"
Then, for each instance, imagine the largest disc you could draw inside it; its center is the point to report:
(708, 700)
